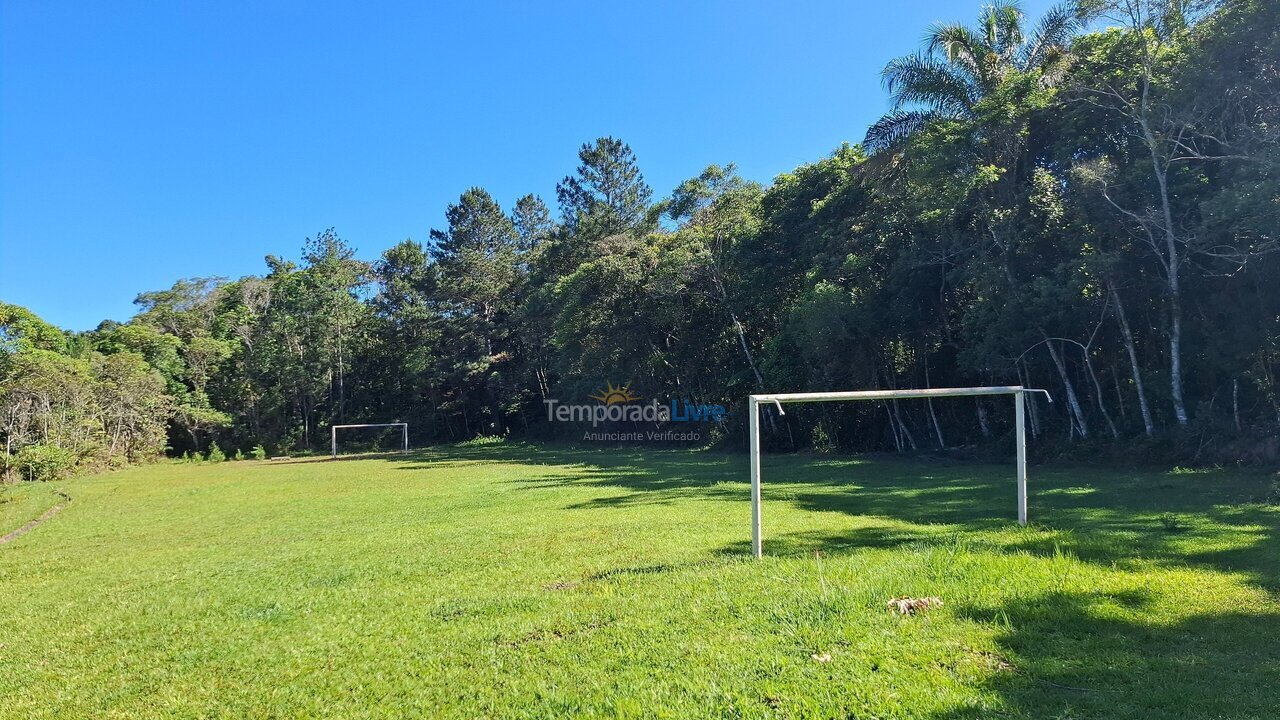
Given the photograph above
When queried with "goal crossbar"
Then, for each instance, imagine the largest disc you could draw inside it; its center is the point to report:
(333, 434)
(777, 399)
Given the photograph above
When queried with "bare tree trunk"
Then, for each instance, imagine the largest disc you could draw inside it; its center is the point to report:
(937, 429)
(1175, 352)
(1097, 389)
(1033, 409)
(746, 350)
(306, 425)
(893, 428)
(1270, 389)
(1072, 401)
(933, 416)
(906, 432)
(342, 385)
(1173, 259)
(1115, 380)
(1235, 401)
(1132, 351)
(983, 424)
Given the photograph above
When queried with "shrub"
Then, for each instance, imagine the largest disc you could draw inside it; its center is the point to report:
(44, 462)
(821, 440)
(8, 468)
(258, 453)
(239, 455)
(215, 453)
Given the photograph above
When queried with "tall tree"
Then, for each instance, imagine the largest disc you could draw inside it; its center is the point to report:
(533, 223)
(607, 195)
(962, 66)
(480, 264)
(1135, 75)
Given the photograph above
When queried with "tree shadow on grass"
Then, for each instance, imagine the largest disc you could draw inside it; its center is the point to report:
(646, 476)
(1077, 655)
(1091, 655)
(1100, 515)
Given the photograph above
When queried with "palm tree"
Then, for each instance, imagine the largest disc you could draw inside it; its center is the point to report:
(960, 66)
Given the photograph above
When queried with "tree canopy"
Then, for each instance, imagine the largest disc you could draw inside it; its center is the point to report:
(1085, 202)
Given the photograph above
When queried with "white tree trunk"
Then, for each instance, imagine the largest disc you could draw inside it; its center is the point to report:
(1073, 403)
(1132, 351)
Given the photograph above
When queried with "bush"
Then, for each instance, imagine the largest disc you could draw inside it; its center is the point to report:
(239, 455)
(258, 453)
(44, 462)
(216, 454)
(8, 468)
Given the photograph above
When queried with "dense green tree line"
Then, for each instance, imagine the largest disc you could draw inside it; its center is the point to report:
(1086, 203)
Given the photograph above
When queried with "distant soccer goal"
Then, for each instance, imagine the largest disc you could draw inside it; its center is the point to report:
(753, 427)
(333, 434)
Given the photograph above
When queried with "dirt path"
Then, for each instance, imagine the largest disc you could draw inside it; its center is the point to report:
(66, 499)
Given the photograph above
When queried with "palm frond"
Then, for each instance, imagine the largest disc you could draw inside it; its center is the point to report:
(924, 80)
(1052, 34)
(960, 45)
(895, 128)
(961, 65)
(1006, 20)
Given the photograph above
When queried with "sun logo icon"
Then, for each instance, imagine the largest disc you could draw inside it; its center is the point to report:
(612, 395)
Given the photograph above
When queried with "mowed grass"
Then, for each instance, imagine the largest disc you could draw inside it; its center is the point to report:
(23, 502)
(521, 581)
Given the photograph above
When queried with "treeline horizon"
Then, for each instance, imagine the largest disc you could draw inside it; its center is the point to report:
(1049, 204)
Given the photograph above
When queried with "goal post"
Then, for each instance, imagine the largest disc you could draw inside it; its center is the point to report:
(333, 434)
(778, 399)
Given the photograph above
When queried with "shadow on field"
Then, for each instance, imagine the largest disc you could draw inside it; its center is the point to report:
(1067, 655)
(1061, 654)
(1105, 516)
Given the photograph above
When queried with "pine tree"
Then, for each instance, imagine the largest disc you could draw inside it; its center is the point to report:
(608, 195)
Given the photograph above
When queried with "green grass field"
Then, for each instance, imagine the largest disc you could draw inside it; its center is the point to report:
(518, 581)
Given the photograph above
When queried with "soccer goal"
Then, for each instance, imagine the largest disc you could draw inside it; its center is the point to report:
(753, 427)
(333, 434)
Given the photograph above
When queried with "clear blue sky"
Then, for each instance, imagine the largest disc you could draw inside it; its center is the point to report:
(143, 142)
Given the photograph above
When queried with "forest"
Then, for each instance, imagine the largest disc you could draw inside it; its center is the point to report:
(1085, 202)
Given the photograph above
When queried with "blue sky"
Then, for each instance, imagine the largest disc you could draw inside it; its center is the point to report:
(143, 142)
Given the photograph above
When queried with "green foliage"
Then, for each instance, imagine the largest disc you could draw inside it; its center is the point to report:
(215, 453)
(1093, 213)
(21, 330)
(1172, 523)
(988, 74)
(239, 455)
(608, 194)
(41, 462)
(134, 406)
(258, 453)
(482, 441)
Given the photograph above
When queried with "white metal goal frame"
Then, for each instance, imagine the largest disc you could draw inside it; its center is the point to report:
(753, 427)
(333, 434)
